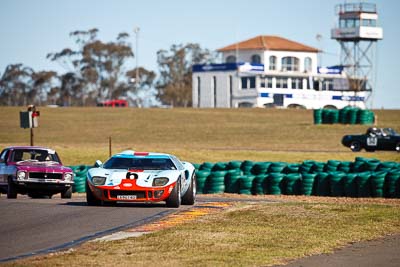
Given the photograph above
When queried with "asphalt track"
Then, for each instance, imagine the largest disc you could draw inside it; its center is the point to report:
(34, 226)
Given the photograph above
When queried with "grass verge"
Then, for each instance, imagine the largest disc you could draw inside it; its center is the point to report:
(249, 234)
(80, 135)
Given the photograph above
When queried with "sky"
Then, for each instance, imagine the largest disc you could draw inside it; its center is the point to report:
(30, 29)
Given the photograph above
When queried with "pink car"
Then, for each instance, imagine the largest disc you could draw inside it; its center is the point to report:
(36, 171)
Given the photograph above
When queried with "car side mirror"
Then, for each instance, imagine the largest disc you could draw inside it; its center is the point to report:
(98, 163)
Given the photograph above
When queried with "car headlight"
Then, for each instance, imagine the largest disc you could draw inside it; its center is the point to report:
(68, 177)
(98, 180)
(21, 175)
(161, 181)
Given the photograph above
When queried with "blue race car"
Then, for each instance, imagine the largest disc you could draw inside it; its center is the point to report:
(132, 176)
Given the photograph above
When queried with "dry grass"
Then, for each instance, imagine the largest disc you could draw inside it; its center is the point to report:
(197, 135)
(250, 234)
(247, 235)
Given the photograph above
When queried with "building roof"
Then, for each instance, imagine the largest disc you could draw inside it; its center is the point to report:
(267, 42)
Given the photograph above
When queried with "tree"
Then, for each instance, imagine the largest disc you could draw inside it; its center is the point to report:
(175, 83)
(16, 85)
(143, 88)
(97, 66)
(43, 83)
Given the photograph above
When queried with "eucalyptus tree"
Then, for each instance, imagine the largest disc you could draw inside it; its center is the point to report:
(174, 85)
(16, 87)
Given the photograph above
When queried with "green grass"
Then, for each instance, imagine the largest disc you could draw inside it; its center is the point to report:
(262, 234)
(197, 135)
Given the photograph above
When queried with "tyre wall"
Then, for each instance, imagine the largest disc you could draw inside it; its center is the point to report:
(364, 177)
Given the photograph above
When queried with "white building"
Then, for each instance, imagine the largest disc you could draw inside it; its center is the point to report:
(272, 71)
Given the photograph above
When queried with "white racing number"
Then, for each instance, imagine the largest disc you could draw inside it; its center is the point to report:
(372, 141)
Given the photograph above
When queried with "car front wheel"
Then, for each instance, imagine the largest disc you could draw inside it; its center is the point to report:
(67, 193)
(174, 199)
(90, 198)
(355, 146)
(12, 189)
(190, 196)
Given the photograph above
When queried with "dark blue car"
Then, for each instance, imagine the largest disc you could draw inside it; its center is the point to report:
(373, 139)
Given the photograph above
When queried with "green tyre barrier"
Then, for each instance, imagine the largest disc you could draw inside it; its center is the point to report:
(292, 168)
(258, 185)
(292, 184)
(377, 183)
(260, 168)
(246, 167)
(317, 167)
(219, 166)
(79, 184)
(372, 164)
(317, 116)
(350, 185)
(196, 165)
(387, 166)
(323, 188)
(277, 167)
(306, 166)
(336, 184)
(363, 184)
(352, 115)
(274, 183)
(215, 182)
(232, 184)
(206, 166)
(246, 183)
(81, 170)
(391, 183)
(345, 166)
(307, 183)
(235, 164)
(201, 177)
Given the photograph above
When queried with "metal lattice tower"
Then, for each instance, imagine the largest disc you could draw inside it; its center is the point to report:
(357, 34)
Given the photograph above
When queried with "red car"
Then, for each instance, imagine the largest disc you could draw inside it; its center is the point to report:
(36, 171)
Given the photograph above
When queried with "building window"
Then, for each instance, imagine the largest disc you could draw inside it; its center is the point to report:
(215, 90)
(269, 82)
(327, 85)
(272, 63)
(266, 82)
(297, 83)
(198, 91)
(256, 59)
(290, 64)
(307, 64)
(248, 82)
(368, 22)
(282, 82)
(231, 59)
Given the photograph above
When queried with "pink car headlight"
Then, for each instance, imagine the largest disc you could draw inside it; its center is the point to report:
(21, 175)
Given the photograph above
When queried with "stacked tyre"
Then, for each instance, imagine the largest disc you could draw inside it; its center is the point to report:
(347, 115)
(80, 172)
(364, 177)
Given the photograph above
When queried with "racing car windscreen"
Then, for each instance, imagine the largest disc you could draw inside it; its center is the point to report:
(140, 163)
(33, 155)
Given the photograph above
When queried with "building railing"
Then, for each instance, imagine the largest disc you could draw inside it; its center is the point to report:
(355, 7)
